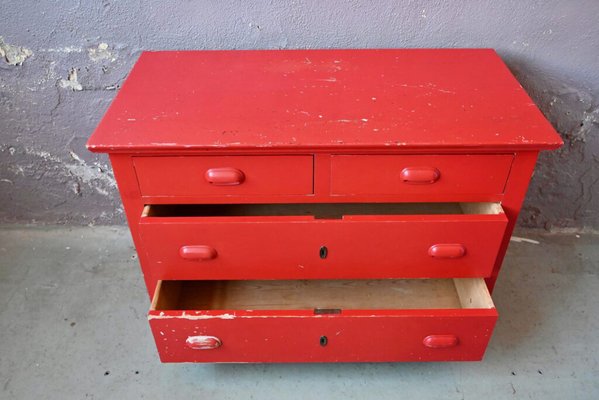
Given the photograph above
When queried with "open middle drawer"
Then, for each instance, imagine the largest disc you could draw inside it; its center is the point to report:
(322, 320)
(322, 241)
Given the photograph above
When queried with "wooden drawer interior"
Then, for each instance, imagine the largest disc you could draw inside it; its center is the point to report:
(319, 210)
(323, 296)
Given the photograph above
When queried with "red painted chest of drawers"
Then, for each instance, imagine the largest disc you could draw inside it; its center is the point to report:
(322, 205)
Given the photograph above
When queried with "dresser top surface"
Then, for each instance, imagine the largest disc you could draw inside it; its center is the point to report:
(411, 99)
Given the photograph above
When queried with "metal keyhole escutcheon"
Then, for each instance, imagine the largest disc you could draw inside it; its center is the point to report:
(323, 341)
(323, 252)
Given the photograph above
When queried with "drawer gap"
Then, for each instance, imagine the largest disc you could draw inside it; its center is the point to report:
(325, 311)
(318, 210)
(326, 295)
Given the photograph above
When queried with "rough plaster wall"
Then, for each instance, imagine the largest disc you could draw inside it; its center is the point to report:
(61, 63)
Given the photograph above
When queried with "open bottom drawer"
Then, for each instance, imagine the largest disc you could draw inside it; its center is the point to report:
(322, 320)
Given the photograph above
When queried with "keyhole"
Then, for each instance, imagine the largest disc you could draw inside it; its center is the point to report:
(324, 252)
(323, 341)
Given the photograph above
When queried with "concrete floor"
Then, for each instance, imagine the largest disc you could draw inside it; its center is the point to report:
(72, 326)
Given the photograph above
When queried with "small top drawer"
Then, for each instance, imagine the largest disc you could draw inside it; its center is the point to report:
(224, 175)
(419, 174)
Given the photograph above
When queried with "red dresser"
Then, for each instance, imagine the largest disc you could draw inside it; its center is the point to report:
(322, 205)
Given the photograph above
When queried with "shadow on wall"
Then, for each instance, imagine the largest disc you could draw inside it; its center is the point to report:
(564, 190)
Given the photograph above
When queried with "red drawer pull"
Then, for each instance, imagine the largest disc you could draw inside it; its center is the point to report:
(203, 342)
(447, 251)
(200, 253)
(224, 176)
(440, 341)
(420, 175)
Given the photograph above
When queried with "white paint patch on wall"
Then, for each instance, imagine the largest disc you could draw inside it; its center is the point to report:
(65, 49)
(89, 174)
(72, 81)
(13, 55)
(100, 53)
(94, 176)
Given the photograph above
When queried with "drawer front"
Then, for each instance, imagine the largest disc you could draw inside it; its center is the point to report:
(456, 334)
(224, 176)
(419, 175)
(440, 246)
(373, 338)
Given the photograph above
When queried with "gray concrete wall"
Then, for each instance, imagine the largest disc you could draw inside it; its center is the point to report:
(62, 62)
